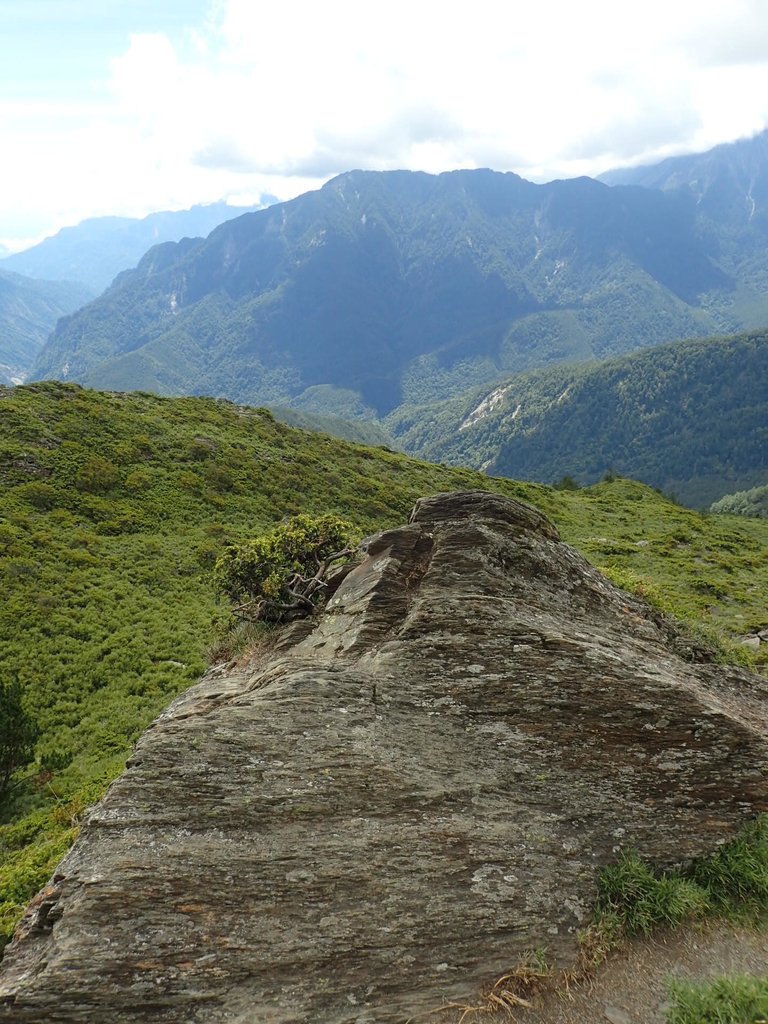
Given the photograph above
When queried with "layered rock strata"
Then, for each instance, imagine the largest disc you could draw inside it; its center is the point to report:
(382, 813)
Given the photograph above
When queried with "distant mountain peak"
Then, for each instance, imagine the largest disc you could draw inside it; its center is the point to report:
(98, 248)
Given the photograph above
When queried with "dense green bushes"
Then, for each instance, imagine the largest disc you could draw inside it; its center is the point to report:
(753, 502)
(18, 733)
(109, 597)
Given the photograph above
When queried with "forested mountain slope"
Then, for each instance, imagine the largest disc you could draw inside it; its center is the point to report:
(689, 417)
(399, 287)
(29, 310)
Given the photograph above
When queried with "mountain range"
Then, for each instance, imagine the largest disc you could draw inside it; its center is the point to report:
(395, 287)
(96, 250)
(384, 292)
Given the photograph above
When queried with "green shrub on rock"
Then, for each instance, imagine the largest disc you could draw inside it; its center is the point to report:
(283, 574)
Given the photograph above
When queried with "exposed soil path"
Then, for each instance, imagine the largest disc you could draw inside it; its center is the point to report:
(632, 986)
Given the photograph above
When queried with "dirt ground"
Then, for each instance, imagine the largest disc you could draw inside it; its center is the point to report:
(631, 988)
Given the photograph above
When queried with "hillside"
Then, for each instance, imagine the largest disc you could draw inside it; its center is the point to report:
(690, 418)
(96, 250)
(389, 809)
(729, 183)
(395, 287)
(114, 508)
(727, 187)
(29, 310)
(360, 431)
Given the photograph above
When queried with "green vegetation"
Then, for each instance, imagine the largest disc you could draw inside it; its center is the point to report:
(690, 418)
(18, 733)
(736, 1000)
(753, 502)
(732, 882)
(283, 574)
(114, 509)
(642, 900)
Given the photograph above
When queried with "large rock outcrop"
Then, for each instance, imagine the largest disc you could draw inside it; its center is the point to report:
(388, 808)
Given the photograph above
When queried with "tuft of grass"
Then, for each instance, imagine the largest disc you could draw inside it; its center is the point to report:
(596, 942)
(736, 876)
(732, 882)
(512, 991)
(642, 900)
(734, 1000)
(238, 639)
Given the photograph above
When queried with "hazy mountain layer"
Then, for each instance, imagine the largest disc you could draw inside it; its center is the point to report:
(28, 313)
(96, 250)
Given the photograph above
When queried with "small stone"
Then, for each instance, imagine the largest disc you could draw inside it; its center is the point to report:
(751, 640)
(616, 1015)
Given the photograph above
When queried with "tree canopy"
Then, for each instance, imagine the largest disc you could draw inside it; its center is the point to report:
(18, 733)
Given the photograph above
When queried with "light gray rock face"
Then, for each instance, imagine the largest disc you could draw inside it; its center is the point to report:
(398, 800)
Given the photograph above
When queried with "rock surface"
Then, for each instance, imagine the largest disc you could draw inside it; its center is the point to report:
(383, 812)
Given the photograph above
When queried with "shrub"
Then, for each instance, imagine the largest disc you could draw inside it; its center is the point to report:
(566, 483)
(40, 495)
(96, 476)
(283, 574)
(18, 733)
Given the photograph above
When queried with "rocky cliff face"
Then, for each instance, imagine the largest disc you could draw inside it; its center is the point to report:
(404, 795)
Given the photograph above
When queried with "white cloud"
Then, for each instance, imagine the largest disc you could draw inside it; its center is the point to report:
(276, 98)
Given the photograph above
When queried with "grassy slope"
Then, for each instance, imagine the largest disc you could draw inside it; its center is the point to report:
(113, 508)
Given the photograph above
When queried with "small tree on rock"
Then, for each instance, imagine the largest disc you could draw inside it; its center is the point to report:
(18, 733)
(283, 575)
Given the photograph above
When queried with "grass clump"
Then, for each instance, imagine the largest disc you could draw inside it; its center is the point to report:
(732, 882)
(736, 877)
(512, 991)
(735, 1000)
(642, 900)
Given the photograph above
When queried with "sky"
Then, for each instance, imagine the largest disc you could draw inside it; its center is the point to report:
(126, 107)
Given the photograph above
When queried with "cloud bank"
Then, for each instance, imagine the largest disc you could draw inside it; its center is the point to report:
(277, 98)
